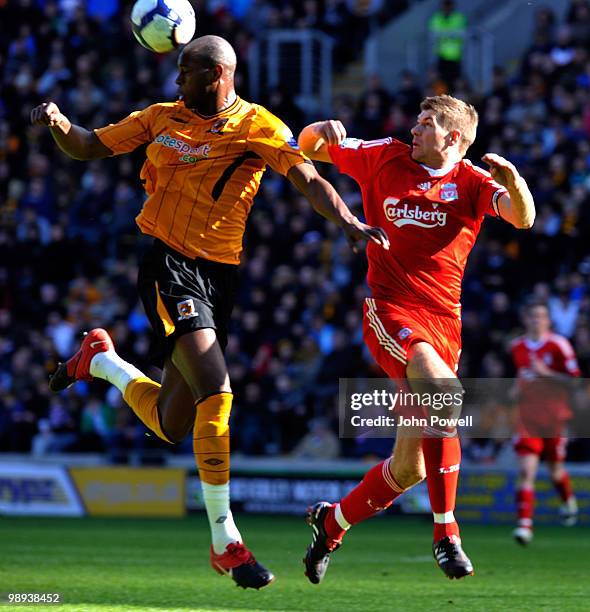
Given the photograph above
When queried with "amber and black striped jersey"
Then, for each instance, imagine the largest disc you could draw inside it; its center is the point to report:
(202, 173)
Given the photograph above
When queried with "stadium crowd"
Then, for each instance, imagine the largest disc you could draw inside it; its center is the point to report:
(69, 247)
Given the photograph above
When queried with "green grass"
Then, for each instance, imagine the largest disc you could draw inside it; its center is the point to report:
(385, 564)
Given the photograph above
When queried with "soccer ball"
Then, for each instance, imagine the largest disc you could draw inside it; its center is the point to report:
(162, 25)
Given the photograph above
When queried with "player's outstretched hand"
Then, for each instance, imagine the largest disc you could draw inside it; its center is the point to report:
(539, 368)
(357, 231)
(331, 132)
(47, 113)
(502, 170)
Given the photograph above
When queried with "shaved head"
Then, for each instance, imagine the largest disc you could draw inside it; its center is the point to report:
(206, 70)
(211, 51)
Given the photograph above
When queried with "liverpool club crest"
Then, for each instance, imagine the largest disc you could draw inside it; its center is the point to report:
(448, 192)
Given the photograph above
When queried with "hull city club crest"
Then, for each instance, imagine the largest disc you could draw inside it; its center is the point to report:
(218, 126)
(186, 309)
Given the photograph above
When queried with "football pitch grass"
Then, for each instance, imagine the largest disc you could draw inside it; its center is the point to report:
(384, 564)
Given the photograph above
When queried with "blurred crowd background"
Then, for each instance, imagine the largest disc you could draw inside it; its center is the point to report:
(69, 247)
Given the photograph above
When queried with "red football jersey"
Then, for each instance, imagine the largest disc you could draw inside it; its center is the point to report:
(543, 401)
(432, 218)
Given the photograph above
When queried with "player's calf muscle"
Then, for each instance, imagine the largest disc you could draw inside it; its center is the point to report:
(407, 474)
(176, 429)
(407, 465)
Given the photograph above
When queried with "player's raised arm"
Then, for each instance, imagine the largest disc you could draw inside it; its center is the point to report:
(326, 201)
(315, 138)
(75, 141)
(517, 206)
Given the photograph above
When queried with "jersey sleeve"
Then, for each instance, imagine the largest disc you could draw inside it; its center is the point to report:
(274, 142)
(358, 158)
(516, 355)
(566, 358)
(131, 132)
(488, 192)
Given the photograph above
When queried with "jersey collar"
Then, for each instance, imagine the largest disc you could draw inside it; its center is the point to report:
(535, 345)
(437, 172)
(228, 109)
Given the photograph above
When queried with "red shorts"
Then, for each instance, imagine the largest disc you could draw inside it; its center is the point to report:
(389, 331)
(550, 449)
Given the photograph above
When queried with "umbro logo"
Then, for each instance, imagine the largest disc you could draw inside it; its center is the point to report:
(213, 461)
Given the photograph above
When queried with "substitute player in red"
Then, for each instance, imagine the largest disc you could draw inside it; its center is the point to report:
(206, 156)
(542, 360)
(431, 202)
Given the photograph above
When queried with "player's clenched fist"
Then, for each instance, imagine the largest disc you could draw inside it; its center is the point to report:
(47, 113)
(330, 132)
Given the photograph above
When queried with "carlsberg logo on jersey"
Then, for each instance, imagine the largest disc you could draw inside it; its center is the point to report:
(189, 154)
(402, 214)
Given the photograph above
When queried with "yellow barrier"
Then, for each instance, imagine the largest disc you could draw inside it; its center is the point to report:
(121, 491)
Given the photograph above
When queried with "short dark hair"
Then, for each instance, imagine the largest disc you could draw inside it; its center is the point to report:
(535, 303)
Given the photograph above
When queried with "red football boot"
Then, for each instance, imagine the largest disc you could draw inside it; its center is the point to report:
(239, 563)
(78, 367)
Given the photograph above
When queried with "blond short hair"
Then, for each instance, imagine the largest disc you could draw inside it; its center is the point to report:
(454, 114)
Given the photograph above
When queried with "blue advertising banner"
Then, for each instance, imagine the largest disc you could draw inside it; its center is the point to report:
(486, 494)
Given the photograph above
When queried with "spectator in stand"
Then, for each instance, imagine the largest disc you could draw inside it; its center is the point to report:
(96, 425)
(57, 432)
(448, 28)
(319, 443)
(564, 309)
(578, 18)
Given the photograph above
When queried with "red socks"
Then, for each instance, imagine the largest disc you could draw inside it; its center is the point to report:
(442, 458)
(525, 500)
(334, 530)
(564, 487)
(525, 505)
(375, 492)
(378, 489)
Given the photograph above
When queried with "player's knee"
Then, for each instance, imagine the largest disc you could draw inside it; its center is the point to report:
(557, 471)
(444, 398)
(524, 483)
(526, 479)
